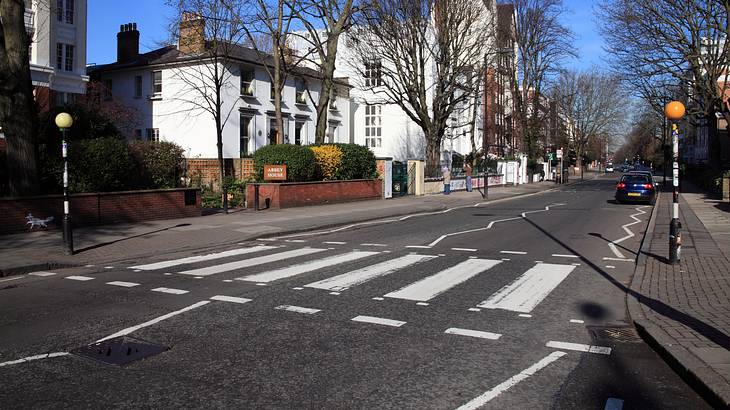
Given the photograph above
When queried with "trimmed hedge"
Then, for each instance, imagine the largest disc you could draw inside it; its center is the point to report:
(358, 162)
(99, 165)
(157, 164)
(299, 160)
(329, 161)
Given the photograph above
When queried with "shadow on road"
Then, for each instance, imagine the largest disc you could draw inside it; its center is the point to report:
(99, 245)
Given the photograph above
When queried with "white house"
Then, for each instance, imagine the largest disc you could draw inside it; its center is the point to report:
(164, 86)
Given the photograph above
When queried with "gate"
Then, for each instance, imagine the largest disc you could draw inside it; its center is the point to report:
(400, 178)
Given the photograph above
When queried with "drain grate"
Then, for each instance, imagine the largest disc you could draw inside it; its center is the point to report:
(620, 334)
(120, 350)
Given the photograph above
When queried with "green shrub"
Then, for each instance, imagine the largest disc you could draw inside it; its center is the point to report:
(157, 164)
(358, 162)
(299, 160)
(99, 165)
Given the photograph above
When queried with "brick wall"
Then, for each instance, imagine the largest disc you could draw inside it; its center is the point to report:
(293, 194)
(101, 208)
(207, 172)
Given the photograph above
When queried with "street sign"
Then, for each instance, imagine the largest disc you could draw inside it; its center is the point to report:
(559, 153)
(274, 172)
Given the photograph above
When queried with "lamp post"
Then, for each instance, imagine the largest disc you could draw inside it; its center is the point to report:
(64, 122)
(675, 111)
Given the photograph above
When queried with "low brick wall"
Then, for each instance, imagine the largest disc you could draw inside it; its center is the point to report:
(101, 208)
(293, 194)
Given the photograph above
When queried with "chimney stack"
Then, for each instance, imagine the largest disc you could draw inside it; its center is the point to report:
(192, 34)
(127, 43)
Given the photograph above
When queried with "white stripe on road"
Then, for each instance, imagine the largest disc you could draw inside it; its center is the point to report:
(576, 321)
(473, 333)
(381, 245)
(630, 234)
(202, 258)
(504, 386)
(334, 243)
(558, 255)
(36, 357)
(310, 266)
(79, 278)
(170, 291)
(530, 289)
(123, 284)
(578, 347)
(8, 280)
(129, 330)
(298, 309)
(232, 299)
(432, 286)
(614, 404)
(418, 247)
(618, 259)
(359, 276)
(524, 315)
(42, 274)
(378, 321)
(514, 252)
(464, 249)
(247, 263)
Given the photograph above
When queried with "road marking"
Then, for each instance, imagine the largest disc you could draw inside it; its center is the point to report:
(514, 252)
(529, 289)
(228, 280)
(614, 404)
(360, 276)
(432, 286)
(618, 259)
(630, 234)
(247, 263)
(123, 284)
(579, 347)
(524, 315)
(421, 303)
(232, 299)
(418, 247)
(538, 261)
(170, 291)
(464, 249)
(137, 270)
(129, 330)
(298, 309)
(36, 357)
(576, 321)
(261, 284)
(198, 277)
(295, 240)
(203, 258)
(8, 280)
(335, 293)
(506, 259)
(89, 266)
(79, 278)
(575, 264)
(266, 239)
(378, 298)
(504, 386)
(610, 267)
(558, 255)
(378, 321)
(473, 333)
(108, 267)
(335, 243)
(374, 244)
(41, 274)
(474, 310)
(298, 288)
(305, 267)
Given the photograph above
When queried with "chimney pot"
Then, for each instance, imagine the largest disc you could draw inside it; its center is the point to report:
(127, 43)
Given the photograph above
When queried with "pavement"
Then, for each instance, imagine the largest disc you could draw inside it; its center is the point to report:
(683, 310)
(38, 250)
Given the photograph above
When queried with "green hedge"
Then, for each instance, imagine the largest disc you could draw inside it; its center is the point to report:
(358, 162)
(99, 165)
(157, 164)
(299, 160)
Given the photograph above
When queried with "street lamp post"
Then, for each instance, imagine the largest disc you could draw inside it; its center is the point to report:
(675, 111)
(64, 122)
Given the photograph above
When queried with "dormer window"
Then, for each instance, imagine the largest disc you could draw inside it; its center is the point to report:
(247, 82)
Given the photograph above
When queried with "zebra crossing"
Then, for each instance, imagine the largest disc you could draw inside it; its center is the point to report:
(522, 295)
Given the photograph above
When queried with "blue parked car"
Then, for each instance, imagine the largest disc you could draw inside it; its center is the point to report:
(635, 187)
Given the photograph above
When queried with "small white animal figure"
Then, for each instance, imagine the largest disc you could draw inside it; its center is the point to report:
(33, 221)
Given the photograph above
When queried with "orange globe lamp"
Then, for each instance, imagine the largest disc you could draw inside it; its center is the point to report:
(674, 110)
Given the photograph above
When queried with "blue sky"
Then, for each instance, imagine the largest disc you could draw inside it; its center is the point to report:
(152, 18)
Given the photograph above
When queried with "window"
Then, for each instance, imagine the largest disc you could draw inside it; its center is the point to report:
(108, 89)
(64, 57)
(373, 126)
(59, 56)
(247, 77)
(273, 133)
(65, 11)
(245, 133)
(137, 86)
(64, 98)
(69, 61)
(298, 130)
(301, 88)
(333, 98)
(153, 134)
(157, 84)
(373, 74)
(137, 134)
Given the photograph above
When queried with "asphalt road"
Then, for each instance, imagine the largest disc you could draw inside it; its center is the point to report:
(513, 304)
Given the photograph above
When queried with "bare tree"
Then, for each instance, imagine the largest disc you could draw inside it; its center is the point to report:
(208, 38)
(324, 21)
(543, 43)
(418, 55)
(655, 45)
(593, 101)
(18, 116)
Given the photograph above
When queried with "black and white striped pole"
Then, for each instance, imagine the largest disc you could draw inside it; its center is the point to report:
(675, 111)
(64, 122)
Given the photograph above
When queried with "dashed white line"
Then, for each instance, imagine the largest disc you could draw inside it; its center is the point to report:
(380, 245)
(506, 259)
(137, 270)
(228, 280)
(474, 310)
(8, 280)
(334, 243)
(618, 259)
(108, 267)
(232, 299)
(421, 303)
(298, 309)
(524, 315)
(576, 321)
(36, 357)
(42, 274)
(514, 252)
(378, 321)
(464, 249)
(335, 293)
(89, 266)
(504, 386)
(197, 277)
(418, 247)
(79, 278)
(298, 288)
(378, 298)
(170, 291)
(579, 347)
(610, 267)
(266, 239)
(123, 284)
(129, 330)
(473, 333)
(295, 241)
(560, 255)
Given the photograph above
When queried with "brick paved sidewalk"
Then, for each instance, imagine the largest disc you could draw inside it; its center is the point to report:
(684, 309)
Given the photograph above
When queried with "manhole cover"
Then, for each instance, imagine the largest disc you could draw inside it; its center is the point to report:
(620, 334)
(120, 350)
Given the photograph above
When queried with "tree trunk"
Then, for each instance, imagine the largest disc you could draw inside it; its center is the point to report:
(18, 116)
(433, 155)
(322, 106)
